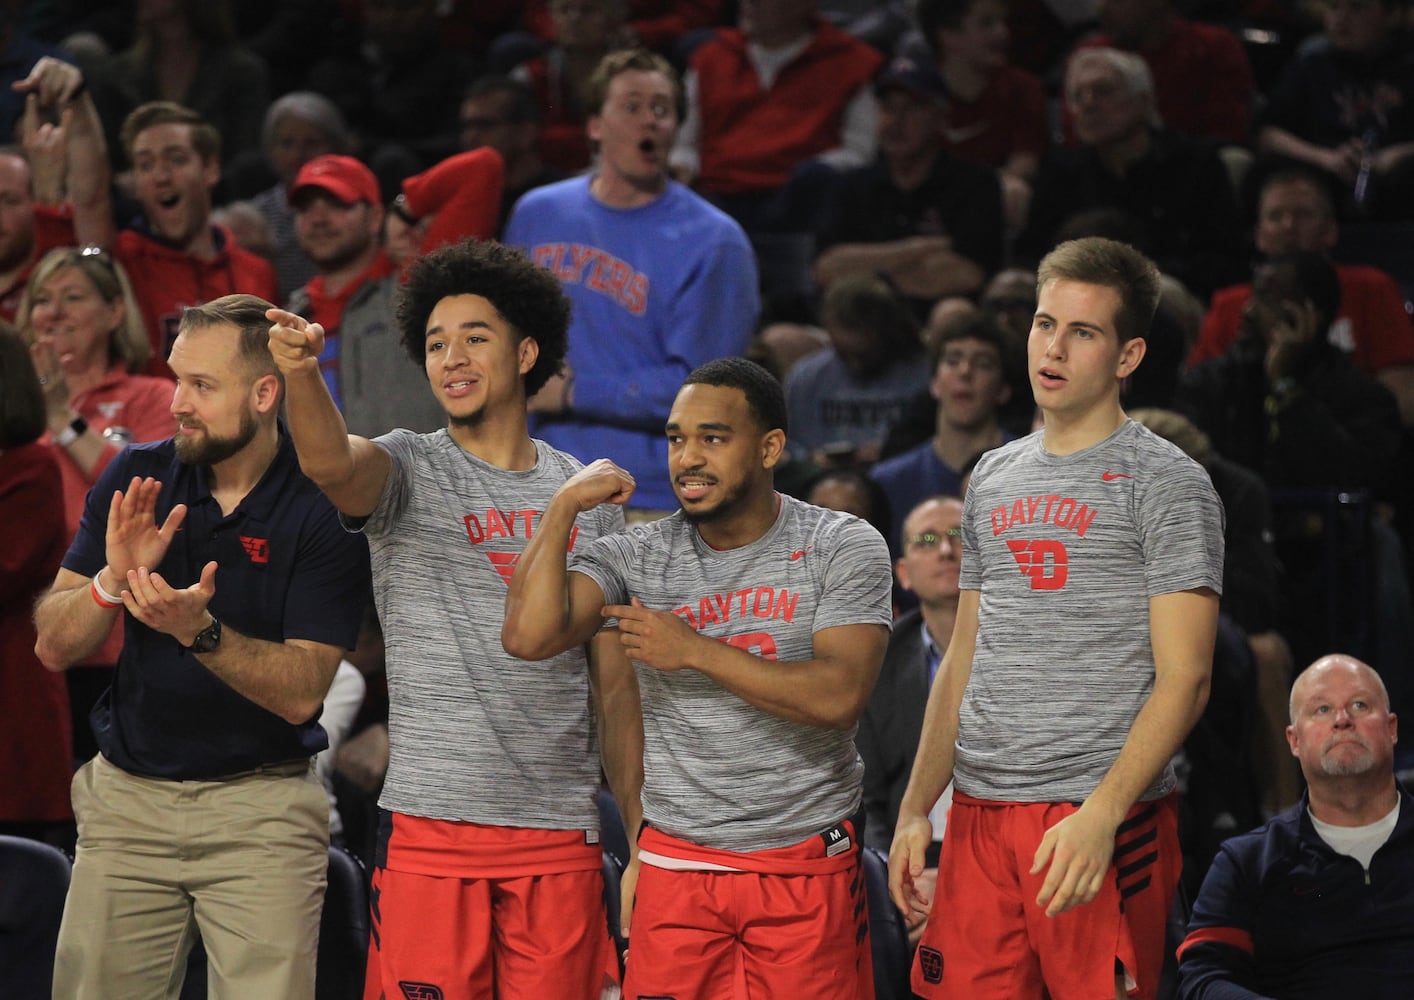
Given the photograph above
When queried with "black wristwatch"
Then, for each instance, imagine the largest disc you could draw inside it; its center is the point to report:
(208, 639)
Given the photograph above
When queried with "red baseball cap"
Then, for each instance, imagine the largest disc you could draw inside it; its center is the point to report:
(344, 177)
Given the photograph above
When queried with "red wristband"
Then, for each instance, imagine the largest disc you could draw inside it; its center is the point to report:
(98, 597)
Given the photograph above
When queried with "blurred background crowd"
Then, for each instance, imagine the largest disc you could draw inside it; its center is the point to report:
(898, 168)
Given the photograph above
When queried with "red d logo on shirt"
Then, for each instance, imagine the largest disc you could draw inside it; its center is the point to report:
(1045, 562)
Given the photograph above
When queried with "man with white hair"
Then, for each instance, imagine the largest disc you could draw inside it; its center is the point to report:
(1320, 900)
(1173, 191)
(1202, 79)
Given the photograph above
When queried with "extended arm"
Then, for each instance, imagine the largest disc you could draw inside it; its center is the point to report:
(548, 608)
(1183, 628)
(350, 470)
(933, 764)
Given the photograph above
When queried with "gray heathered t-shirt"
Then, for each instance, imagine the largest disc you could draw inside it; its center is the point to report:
(476, 734)
(1066, 551)
(717, 770)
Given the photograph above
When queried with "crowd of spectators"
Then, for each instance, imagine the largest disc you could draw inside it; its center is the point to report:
(893, 175)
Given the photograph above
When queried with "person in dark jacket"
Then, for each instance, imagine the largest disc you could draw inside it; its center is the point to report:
(1319, 902)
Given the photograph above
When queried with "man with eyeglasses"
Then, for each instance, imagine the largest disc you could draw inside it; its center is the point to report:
(970, 384)
(893, 720)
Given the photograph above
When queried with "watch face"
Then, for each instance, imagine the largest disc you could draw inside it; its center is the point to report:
(208, 638)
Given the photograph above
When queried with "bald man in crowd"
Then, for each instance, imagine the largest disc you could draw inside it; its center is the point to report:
(1318, 902)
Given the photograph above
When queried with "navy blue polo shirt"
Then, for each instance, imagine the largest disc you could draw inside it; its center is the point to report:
(285, 570)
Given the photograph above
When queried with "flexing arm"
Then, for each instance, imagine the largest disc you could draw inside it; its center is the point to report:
(70, 622)
(288, 678)
(830, 689)
(548, 608)
(1183, 628)
(350, 470)
(933, 764)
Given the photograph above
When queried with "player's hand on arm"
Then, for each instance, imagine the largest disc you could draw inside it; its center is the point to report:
(659, 639)
(828, 690)
(350, 470)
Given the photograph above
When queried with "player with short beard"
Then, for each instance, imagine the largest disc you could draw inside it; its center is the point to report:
(756, 623)
(239, 593)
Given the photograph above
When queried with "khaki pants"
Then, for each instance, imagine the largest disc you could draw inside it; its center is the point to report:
(243, 859)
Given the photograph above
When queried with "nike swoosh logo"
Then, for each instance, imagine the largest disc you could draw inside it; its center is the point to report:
(797, 556)
(1110, 477)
